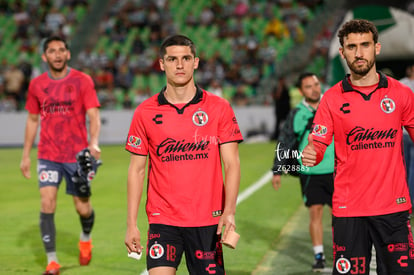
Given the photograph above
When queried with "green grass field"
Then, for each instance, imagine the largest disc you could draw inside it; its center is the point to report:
(260, 218)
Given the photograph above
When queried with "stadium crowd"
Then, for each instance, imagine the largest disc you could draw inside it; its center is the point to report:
(125, 68)
(24, 25)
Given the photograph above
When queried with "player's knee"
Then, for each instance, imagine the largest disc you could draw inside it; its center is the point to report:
(48, 205)
(84, 210)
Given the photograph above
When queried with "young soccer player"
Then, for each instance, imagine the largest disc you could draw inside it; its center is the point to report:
(185, 133)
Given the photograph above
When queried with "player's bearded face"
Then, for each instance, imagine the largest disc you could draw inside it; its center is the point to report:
(360, 52)
(355, 66)
(57, 56)
(58, 65)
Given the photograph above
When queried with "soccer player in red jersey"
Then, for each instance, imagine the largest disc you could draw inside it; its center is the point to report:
(61, 98)
(186, 133)
(365, 112)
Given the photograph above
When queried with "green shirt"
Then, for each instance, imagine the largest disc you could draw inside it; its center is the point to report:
(303, 113)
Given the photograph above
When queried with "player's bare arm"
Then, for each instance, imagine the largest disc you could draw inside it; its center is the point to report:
(94, 130)
(231, 161)
(135, 185)
(32, 124)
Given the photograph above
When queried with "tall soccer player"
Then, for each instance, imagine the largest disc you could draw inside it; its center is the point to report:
(185, 133)
(61, 98)
(365, 113)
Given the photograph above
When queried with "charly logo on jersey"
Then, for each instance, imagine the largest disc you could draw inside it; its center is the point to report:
(387, 105)
(134, 141)
(344, 108)
(200, 118)
(156, 251)
(343, 265)
(157, 119)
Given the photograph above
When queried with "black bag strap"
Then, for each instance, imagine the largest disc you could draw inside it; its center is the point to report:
(308, 127)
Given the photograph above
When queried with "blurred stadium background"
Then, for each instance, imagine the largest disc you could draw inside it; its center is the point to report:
(244, 46)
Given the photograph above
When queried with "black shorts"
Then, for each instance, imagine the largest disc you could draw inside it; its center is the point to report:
(391, 236)
(202, 247)
(51, 173)
(317, 189)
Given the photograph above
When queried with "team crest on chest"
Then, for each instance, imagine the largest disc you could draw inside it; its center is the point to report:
(200, 118)
(387, 105)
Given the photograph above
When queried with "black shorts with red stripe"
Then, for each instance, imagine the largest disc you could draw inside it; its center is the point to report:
(390, 235)
(201, 245)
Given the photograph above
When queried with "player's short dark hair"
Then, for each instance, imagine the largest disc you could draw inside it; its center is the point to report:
(176, 40)
(357, 26)
(303, 76)
(54, 38)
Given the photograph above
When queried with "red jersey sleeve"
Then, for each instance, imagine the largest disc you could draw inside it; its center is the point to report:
(32, 103)
(137, 141)
(408, 111)
(229, 130)
(89, 95)
(322, 129)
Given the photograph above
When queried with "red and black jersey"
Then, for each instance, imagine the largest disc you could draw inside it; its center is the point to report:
(184, 170)
(370, 177)
(62, 105)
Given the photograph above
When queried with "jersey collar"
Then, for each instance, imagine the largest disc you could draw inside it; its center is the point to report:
(196, 99)
(67, 73)
(382, 83)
